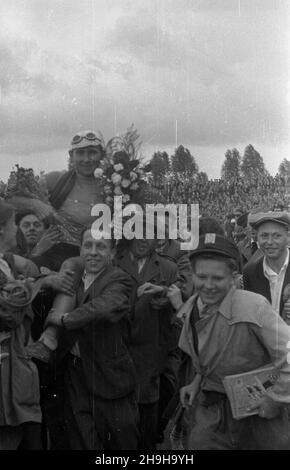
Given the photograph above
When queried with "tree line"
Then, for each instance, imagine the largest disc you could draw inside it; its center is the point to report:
(250, 165)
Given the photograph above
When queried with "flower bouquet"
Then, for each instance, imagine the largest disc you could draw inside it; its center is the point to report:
(27, 192)
(121, 177)
(121, 171)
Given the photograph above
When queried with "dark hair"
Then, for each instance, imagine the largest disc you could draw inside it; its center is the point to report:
(230, 262)
(6, 213)
(20, 215)
(210, 225)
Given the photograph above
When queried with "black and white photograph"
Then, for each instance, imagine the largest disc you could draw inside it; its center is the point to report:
(144, 227)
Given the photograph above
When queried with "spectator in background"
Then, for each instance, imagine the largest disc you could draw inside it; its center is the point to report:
(20, 413)
(270, 274)
(154, 333)
(172, 249)
(42, 242)
(36, 235)
(210, 225)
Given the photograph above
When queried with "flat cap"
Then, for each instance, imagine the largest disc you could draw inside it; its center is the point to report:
(283, 218)
(211, 243)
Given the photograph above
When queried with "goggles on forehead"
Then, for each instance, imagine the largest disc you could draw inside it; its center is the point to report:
(90, 136)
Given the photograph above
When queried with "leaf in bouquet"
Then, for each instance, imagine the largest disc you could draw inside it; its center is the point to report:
(22, 182)
(132, 142)
(133, 164)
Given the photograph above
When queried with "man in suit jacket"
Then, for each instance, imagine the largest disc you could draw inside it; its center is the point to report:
(154, 333)
(101, 409)
(270, 274)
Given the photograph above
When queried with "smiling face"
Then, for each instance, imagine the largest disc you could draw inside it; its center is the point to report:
(273, 240)
(32, 229)
(86, 160)
(96, 254)
(212, 280)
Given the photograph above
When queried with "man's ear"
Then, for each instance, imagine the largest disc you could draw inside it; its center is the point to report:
(1, 230)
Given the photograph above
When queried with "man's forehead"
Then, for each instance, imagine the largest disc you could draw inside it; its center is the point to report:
(90, 148)
(29, 217)
(89, 236)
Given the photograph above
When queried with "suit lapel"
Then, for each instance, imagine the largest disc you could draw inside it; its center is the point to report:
(150, 271)
(286, 281)
(128, 265)
(80, 293)
(96, 286)
(262, 281)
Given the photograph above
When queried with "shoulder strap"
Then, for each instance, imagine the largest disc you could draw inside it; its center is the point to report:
(62, 189)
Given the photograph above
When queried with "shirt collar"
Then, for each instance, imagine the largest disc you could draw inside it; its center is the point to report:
(90, 277)
(268, 271)
(224, 308)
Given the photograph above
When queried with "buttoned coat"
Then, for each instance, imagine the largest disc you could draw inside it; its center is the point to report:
(101, 325)
(154, 332)
(255, 281)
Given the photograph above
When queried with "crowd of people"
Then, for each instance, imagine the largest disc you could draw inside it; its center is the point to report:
(219, 197)
(112, 344)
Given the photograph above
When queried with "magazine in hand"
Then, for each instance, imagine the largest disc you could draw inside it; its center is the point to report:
(244, 390)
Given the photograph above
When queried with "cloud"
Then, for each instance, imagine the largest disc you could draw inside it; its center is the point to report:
(218, 68)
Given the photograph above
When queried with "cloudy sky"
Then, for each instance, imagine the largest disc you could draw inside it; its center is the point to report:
(218, 68)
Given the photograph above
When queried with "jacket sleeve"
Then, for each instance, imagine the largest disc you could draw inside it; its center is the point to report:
(185, 275)
(274, 333)
(110, 306)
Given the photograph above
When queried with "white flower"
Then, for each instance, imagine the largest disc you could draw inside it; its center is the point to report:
(134, 186)
(125, 183)
(126, 198)
(133, 176)
(118, 167)
(118, 191)
(98, 173)
(116, 178)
